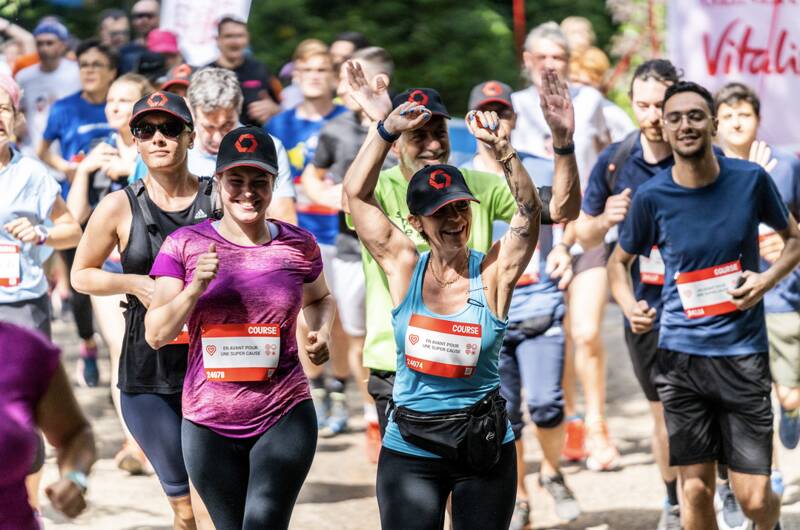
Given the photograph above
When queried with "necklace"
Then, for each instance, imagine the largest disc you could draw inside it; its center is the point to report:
(447, 283)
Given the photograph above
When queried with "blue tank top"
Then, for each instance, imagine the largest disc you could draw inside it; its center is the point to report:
(444, 362)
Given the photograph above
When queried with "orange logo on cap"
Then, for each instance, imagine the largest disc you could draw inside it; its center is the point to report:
(156, 99)
(246, 143)
(434, 180)
(492, 88)
(418, 96)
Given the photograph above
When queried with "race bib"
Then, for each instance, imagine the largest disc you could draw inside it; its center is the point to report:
(764, 231)
(531, 273)
(704, 293)
(651, 270)
(442, 347)
(241, 352)
(9, 265)
(183, 336)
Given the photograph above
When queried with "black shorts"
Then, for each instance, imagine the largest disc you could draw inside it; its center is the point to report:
(643, 349)
(593, 258)
(717, 409)
(380, 386)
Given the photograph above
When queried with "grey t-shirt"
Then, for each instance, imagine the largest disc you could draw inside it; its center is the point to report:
(339, 142)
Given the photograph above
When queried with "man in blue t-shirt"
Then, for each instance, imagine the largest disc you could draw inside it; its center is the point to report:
(738, 109)
(712, 367)
(76, 120)
(620, 170)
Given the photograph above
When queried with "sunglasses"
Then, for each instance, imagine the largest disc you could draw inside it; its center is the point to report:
(169, 129)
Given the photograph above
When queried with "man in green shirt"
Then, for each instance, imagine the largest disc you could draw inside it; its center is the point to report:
(427, 145)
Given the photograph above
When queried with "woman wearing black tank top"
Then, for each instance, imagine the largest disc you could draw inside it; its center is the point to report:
(136, 220)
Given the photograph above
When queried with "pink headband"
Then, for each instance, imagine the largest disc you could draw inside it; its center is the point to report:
(8, 84)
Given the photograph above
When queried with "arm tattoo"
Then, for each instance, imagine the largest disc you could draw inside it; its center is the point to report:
(525, 208)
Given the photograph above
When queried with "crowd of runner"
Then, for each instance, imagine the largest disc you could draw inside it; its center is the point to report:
(247, 245)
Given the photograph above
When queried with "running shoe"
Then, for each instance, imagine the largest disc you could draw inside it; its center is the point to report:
(789, 428)
(87, 372)
(670, 517)
(574, 449)
(776, 479)
(602, 453)
(567, 508)
(320, 398)
(729, 513)
(521, 519)
(337, 415)
(132, 460)
(373, 433)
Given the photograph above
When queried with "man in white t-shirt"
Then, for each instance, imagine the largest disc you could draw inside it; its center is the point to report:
(53, 78)
(547, 47)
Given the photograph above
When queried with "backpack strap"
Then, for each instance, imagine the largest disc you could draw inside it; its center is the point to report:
(621, 154)
(155, 236)
(209, 187)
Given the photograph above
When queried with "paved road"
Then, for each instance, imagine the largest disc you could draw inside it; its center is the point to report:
(339, 493)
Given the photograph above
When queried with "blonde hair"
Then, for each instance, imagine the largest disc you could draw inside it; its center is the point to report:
(591, 66)
(310, 48)
(139, 81)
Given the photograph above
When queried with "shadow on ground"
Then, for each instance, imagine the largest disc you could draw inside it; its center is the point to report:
(328, 492)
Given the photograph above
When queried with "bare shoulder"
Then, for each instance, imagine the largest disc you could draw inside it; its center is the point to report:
(113, 207)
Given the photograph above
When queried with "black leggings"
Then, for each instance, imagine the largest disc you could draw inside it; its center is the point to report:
(81, 303)
(413, 491)
(252, 483)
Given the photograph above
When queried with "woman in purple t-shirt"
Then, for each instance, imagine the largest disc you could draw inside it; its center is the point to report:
(249, 429)
(36, 394)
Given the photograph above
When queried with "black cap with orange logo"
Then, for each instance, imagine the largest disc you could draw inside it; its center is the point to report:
(435, 186)
(161, 101)
(490, 92)
(250, 147)
(428, 97)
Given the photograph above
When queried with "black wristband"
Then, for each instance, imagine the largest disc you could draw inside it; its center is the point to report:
(568, 149)
(386, 135)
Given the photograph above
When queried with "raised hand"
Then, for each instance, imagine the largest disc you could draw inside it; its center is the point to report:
(487, 127)
(407, 117)
(206, 269)
(374, 101)
(557, 108)
(98, 158)
(617, 208)
(761, 154)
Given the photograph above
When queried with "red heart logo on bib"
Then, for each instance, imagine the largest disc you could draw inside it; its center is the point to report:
(413, 339)
(211, 349)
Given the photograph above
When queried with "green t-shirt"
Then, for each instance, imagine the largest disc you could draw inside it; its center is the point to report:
(497, 203)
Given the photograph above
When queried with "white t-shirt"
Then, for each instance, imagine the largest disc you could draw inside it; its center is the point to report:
(532, 133)
(40, 90)
(203, 164)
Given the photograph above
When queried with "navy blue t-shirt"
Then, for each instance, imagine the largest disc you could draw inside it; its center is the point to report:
(785, 297)
(632, 174)
(702, 234)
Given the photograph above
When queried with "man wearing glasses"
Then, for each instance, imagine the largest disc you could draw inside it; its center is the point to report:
(53, 78)
(74, 122)
(712, 369)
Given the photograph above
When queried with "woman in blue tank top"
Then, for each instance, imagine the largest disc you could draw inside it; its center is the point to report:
(448, 432)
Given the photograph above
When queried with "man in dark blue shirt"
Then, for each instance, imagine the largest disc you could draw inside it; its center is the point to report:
(620, 170)
(712, 366)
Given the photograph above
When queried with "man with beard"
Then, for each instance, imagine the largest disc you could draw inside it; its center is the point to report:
(712, 367)
(620, 170)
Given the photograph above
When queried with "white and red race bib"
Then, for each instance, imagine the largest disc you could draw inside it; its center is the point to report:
(531, 273)
(442, 347)
(651, 269)
(9, 265)
(764, 231)
(241, 352)
(183, 336)
(704, 292)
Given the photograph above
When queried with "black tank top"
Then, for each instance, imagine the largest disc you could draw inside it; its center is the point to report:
(141, 368)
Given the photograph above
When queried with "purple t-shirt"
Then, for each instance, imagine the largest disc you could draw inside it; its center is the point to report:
(28, 367)
(254, 285)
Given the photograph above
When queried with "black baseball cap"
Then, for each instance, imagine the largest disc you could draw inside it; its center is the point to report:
(435, 186)
(177, 75)
(424, 96)
(490, 92)
(247, 146)
(162, 101)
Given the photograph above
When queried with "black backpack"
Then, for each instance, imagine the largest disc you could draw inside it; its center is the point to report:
(618, 158)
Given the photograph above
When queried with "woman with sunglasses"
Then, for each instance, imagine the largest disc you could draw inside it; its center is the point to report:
(136, 220)
(249, 426)
(448, 433)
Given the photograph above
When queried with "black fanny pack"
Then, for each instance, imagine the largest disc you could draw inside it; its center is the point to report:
(472, 436)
